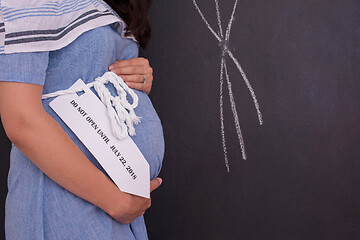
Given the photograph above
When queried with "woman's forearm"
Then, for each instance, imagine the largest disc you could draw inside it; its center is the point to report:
(46, 144)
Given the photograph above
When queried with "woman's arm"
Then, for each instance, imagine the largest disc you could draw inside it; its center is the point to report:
(132, 71)
(47, 145)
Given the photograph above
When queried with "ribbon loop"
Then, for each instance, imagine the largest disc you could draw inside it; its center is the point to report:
(120, 112)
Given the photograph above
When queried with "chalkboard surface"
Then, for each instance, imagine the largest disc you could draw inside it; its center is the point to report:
(300, 179)
(301, 176)
(4, 168)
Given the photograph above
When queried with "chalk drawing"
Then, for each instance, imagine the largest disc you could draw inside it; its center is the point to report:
(223, 42)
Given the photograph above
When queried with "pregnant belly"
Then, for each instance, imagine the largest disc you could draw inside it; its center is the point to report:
(149, 139)
(149, 134)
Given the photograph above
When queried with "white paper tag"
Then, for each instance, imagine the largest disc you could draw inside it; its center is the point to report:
(86, 116)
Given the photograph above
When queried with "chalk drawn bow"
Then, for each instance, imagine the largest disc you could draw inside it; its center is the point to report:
(223, 43)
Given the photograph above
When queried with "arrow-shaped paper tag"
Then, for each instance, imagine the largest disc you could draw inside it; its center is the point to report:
(86, 116)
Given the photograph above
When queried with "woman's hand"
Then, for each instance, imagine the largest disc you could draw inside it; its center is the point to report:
(128, 207)
(135, 72)
(35, 133)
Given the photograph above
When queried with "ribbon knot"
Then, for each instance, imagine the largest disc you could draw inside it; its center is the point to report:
(120, 112)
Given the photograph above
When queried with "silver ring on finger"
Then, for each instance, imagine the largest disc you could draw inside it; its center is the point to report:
(144, 79)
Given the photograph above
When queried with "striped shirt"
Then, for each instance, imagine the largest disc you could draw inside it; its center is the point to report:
(44, 25)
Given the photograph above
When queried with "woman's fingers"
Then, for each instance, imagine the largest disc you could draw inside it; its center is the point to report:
(155, 183)
(140, 86)
(132, 206)
(131, 70)
(130, 62)
(135, 72)
(138, 78)
(131, 66)
(129, 208)
(137, 82)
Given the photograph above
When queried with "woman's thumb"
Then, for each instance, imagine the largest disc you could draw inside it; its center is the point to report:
(155, 183)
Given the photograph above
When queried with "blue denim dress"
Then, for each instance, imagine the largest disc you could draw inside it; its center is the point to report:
(36, 207)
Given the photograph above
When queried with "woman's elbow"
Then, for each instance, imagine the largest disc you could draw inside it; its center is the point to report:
(18, 125)
(13, 130)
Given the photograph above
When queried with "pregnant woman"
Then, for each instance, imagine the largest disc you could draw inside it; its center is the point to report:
(57, 189)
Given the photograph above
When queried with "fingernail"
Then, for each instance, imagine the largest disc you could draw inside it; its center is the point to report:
(111, 67)
(160, 180)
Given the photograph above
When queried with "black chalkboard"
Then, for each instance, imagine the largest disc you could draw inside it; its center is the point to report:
(300, 179)
(4, 168)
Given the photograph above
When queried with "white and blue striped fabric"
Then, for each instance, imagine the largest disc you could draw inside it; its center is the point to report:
(43, 25)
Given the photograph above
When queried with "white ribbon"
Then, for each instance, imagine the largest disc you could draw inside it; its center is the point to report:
(120, 112)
